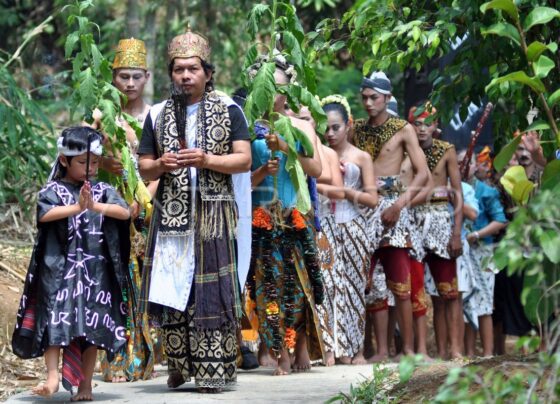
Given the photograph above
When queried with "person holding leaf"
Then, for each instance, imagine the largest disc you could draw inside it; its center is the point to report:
(491, 219)
(77, 285)
(287, 281)
(193, 142)
(130, 74)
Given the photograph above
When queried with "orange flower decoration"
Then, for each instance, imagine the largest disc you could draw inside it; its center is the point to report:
(272, 308)
(484, 157)
(290, 339)
(298, 220)
(261, 219)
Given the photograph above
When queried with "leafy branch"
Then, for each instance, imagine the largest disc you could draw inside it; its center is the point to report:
(93, 89)
(539, 63)
(286, 38)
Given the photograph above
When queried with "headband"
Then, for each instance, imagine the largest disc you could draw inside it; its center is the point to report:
(95, 148)
(429, 110)
(393, 107)
(338, 99)
(379, 82)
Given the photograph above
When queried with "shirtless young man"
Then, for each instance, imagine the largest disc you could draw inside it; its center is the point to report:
(388, 139)
(440, 234)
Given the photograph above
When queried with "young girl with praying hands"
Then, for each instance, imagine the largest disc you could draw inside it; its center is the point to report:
(75, 291)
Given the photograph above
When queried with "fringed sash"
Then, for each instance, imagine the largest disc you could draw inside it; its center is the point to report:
(214, 218)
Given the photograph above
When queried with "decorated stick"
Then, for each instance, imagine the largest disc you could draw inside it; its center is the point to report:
(87, 156)
(465, 163)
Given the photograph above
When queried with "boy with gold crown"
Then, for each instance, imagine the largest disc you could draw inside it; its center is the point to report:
(130, 74)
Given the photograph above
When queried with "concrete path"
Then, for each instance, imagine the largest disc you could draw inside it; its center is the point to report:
(256, 386)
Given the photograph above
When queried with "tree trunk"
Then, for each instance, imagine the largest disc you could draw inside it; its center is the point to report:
(133, 18)
(150, 24)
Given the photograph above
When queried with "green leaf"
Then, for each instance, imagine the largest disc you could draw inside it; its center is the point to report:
(87, 89)
(554, 98)
(416, 33)
(367, 66)
(522, 191)
(294, 48)
(284, 126)
(375, 47)
(84, 4)
(520, 77)
(97, 58)
(504, 156)
(550, 175)
(540, 15)
(255, 17)
(537, 304)
(534, 50)
(543, 66)
(538, 125)
(71, 41)
(505, 5)
(251, 56)
(550, 242)
(261, 95)
(503, 29)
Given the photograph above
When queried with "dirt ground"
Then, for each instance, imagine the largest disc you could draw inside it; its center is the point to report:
(15, 374)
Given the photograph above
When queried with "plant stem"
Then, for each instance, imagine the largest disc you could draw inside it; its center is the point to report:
(30, 35)
(271, 49)
(540, 94)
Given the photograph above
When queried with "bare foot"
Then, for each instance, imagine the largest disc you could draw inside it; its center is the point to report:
(47, 388)
(345, 360)
(329, 360)
(84, 393)
(378, 358)
(283, 367)
(118, 379)
(302, 361)
(359, 359)
(456, 356)
(175, 379)
(265, 359)
(425, 357)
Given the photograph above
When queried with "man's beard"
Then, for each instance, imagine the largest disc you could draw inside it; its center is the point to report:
(180, 101)
(179, 95)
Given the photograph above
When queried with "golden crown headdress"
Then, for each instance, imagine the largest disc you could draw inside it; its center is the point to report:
(130, 54)
(188, 45)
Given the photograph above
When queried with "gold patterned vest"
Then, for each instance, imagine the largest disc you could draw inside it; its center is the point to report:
(372, 138)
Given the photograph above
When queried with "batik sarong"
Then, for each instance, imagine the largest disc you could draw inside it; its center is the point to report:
(389, 189)
(207, 355)
(378, 295)
(353, 240)
(434, 223)
(331, 268)
(480, 301)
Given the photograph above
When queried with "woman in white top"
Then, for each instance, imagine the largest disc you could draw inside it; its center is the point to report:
(359, 194)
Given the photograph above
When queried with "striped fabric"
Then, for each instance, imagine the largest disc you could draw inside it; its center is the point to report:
(28, 323)
(72, 373)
